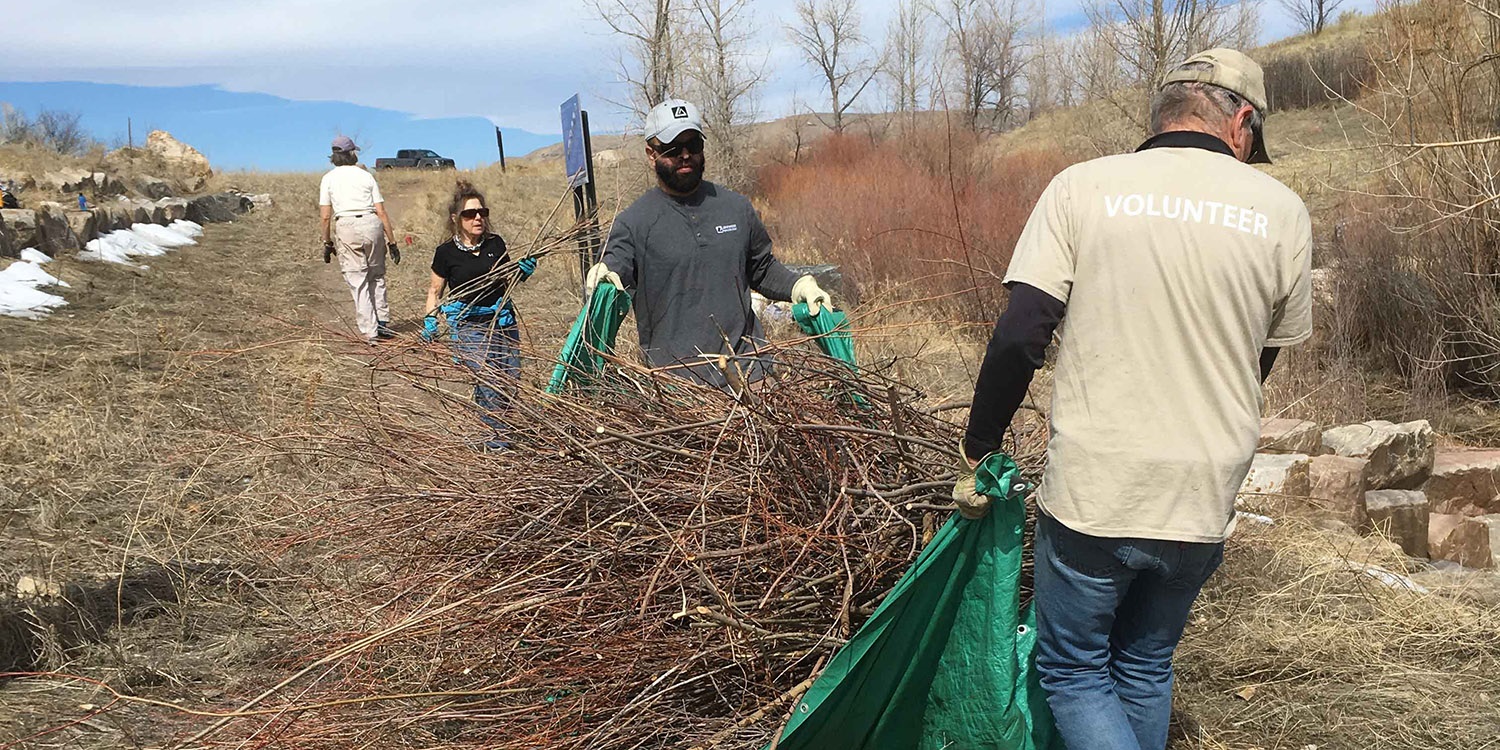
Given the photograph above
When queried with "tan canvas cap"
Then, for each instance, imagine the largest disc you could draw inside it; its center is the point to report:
(1233, 70)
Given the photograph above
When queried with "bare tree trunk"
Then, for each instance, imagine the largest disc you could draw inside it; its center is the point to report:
(986, 42)
(828, 34)
(722, 82)
(649, 61)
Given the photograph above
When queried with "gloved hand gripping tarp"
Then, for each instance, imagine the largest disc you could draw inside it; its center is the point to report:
(593, 335)
(831, 327)
(946, 661)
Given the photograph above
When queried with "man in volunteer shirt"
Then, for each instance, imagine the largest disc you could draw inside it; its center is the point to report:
(1181, 271)
(691, 251)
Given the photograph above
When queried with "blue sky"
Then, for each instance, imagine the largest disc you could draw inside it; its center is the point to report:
(266, 83)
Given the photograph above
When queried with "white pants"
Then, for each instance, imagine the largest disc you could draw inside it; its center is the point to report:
(360, 242)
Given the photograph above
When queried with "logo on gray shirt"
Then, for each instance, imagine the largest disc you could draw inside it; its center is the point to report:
(723, 228)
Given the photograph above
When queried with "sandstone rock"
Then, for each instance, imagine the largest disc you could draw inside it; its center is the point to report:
(218, 207)
(260, 200)
(1277, 474)
(154, 188)
(609, 157)
(67, 181)
(85, 225)
(1401, 516)
(32, 587)
(1289, 436)
(141, 212)
(179, 155)
(7, 249)
(1400, 455)
(1464, 481)
(1337, 486)
(20, 223)
(1473, 542)
(107, 184)
(55, 236)
(173, 209)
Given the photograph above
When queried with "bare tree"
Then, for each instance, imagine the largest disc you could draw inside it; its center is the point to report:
(829, 36)
(1047, 83)
(1311, 16)
(649, 63)
(987, 44)
(1149, 36)
(908, 58)
(722, 79)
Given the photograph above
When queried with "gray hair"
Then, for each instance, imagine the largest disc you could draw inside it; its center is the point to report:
(1187, 99)
(343, 158)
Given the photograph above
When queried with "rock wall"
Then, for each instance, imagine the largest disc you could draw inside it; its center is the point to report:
(57, 230)
(1436, 502)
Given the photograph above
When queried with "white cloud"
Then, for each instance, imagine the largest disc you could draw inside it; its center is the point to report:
(510, 60)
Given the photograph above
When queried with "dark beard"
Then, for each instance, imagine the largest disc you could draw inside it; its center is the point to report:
(666, 171)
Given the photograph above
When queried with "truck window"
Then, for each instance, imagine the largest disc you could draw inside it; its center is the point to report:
(430, 155)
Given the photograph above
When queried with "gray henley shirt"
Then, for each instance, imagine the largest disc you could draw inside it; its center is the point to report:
(691, 263)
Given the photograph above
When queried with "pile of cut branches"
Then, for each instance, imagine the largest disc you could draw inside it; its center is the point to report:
(653, 563)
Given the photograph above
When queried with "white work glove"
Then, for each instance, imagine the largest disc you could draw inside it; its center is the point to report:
(597, 273)
(807, 290)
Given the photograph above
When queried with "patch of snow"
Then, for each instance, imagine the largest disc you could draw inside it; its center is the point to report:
(31, 274)
(140, 240)
(190, 228)
(35, 256)
(167, 237)
(1392, 580)
(20, 296)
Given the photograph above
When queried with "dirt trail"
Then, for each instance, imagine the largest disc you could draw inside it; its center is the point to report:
(135, 434)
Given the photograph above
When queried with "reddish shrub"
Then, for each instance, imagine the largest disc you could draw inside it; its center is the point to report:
(931, 212)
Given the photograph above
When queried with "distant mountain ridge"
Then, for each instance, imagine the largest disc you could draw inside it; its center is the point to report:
(238, 130)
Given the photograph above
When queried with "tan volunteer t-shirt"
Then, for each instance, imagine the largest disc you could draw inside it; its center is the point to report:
(349, 190)
(1178, 265)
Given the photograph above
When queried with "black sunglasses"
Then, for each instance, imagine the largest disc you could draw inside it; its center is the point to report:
(470, 213)
(693, 146)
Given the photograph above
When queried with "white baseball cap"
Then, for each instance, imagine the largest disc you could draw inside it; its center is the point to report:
(672, 118)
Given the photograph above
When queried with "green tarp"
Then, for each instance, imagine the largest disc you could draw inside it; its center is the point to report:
(831, 327)
(592, 335)
(946, 661)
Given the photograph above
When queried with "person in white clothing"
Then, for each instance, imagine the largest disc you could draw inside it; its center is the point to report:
(354, 224)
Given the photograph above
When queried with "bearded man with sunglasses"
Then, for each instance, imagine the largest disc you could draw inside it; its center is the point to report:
(691, 251)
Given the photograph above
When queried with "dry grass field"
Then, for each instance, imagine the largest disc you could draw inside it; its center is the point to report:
(202, 417)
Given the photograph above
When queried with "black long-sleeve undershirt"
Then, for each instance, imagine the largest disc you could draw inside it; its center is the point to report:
(1016, 350)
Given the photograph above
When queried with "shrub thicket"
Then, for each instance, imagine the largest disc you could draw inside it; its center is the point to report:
(1298, 80)
(927, 211)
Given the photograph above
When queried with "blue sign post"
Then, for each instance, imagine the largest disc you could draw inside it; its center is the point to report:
(578, 159)
(575, 152)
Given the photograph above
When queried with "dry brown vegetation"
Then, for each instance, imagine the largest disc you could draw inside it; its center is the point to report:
(314, 506)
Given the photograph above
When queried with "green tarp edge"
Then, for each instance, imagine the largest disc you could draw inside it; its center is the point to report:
(592, 335)
(831, 327)
(946, 660)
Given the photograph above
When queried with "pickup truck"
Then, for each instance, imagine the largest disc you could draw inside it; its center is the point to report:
(418, 158)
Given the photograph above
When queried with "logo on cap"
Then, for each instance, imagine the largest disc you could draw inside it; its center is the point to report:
(679, 113)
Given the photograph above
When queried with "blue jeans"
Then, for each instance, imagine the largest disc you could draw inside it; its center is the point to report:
(1109, 615)
(493, 354)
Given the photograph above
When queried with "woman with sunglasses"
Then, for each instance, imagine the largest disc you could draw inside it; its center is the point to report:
(471, 279)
